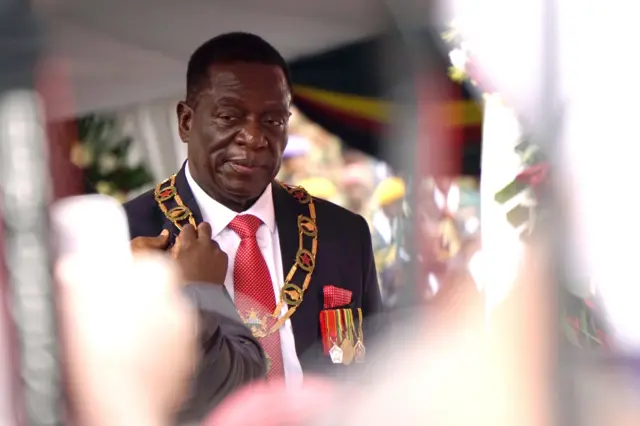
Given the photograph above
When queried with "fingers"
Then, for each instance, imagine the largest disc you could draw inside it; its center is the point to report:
(154, 243)
(188, 234)
(176, 248)
(160, 242)
(204, 231)
(163, 238)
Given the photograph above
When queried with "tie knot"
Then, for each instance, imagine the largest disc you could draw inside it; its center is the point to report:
(245, 226)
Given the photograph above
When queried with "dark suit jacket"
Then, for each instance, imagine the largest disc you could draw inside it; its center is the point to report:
(344, 259)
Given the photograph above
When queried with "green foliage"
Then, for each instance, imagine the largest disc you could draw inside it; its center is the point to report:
(103, 154)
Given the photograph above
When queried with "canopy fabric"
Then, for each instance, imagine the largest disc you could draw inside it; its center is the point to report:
(344, 91)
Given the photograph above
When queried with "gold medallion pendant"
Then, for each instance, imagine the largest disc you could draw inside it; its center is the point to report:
(268, 362)
(347, 351)
(258, 326)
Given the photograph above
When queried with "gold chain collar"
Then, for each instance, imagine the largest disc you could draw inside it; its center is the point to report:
(166, 193)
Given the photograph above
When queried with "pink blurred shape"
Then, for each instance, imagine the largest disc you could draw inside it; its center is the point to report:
(273, 404)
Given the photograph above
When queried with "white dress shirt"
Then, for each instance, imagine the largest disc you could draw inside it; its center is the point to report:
(219, 217)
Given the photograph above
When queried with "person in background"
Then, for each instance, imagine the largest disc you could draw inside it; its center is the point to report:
(388, 236)
(326, 153)
(357, 183)
(444, 238)
(295, 160)
(321, 188)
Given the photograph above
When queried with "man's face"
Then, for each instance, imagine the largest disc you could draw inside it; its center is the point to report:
(236, 131)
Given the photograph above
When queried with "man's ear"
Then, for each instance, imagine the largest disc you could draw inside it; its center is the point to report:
(185, 118)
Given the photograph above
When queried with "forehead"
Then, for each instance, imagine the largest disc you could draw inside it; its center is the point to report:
(248, 83)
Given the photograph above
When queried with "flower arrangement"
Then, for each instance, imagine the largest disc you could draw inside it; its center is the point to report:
(102, 153)
(582, 325)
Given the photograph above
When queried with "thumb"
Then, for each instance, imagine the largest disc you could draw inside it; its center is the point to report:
(162, 240)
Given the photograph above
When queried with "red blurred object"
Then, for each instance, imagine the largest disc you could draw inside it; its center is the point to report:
(438, 154)
(53, 84)
(534, 175)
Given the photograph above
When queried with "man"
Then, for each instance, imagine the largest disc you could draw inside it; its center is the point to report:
(294, 262)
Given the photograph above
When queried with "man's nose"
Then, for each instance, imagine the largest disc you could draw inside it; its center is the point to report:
(252, 135)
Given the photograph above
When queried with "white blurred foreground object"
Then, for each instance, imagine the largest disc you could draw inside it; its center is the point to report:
(505, 38)
(602, 155)
(94, 225)
(118, 314)
(495, 268)
(454, 373)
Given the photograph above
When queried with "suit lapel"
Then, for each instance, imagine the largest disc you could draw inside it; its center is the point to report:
(287, 209)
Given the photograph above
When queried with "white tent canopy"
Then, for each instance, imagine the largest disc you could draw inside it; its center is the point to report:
(121, 52)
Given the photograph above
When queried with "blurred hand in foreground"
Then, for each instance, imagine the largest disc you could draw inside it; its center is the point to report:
(129, 340)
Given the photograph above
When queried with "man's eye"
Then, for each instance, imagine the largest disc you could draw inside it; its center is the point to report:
(275, 122)
(226, 117)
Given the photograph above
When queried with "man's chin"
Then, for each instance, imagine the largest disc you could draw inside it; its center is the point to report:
(243, 192)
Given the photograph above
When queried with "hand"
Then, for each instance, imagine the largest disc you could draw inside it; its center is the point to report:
(114, 323)
(199, 257)
(141, 244)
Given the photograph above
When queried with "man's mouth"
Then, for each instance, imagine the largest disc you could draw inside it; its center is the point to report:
(243, 166)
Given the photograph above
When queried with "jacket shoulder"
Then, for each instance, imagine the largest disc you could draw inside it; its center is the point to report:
(344, 219)
(144, 216)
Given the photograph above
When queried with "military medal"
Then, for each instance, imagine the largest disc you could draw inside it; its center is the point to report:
(359, 349)
(347, 351)
(347, 344)
(342, 338)
(336, 353)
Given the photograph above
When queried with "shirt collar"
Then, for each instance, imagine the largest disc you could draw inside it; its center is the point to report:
(220, 216)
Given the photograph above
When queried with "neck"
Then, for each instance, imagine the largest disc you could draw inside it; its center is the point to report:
(236, 206)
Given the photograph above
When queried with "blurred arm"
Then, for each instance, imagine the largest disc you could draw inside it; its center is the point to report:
(231, 356)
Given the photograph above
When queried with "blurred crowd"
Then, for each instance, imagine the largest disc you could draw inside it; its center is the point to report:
(447, 210)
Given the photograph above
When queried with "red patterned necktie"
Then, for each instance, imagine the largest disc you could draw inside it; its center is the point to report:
(253, 290)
